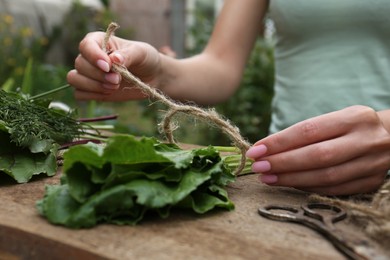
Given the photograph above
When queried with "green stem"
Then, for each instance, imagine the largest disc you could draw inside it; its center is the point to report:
(233, 161)
(229, 149)
(91, 136)
(49, 92)
(100, 127)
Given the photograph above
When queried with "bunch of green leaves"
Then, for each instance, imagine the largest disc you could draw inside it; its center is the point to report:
(122, 181)
(29, 121)
(30, 134)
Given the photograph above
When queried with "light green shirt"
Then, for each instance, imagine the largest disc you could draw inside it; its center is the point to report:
(329, 55)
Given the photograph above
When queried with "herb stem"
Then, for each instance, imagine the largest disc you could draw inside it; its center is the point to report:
(97, 119)
(78, 142)
(100, 127)
(49, 92)
(228, 149)
(94, 137)
(233, 161)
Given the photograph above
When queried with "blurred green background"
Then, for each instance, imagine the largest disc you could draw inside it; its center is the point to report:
(24, 64)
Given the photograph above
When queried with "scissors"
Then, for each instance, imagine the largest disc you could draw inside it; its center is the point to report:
(321, 217)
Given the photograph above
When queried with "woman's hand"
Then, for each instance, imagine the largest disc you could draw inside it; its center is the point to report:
(340, 153)
(92, 77)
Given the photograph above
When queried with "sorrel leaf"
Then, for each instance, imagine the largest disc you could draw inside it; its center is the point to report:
(129, 177)
(21, 163)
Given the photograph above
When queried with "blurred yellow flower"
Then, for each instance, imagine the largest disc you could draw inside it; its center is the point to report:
(26, 32)
(8, 19)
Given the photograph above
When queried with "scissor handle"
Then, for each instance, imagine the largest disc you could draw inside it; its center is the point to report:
(337, 214)
(281, 212)
(323, 223)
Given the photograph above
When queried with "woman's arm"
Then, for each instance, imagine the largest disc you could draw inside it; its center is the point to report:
(207, 78)
(340, 153)
(215, 74)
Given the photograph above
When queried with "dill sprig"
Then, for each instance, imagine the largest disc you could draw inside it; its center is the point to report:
(29, 121)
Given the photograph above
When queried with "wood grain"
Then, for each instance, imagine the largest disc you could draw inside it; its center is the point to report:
(239, 234)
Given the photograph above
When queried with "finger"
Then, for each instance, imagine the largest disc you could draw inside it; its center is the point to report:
(139, 58)
(85, 84)
(315, 156)
(119, 95)
(312, 130)
(133, 55)
(91, 49)
(85, 68)
(359, 186)
(330, 176)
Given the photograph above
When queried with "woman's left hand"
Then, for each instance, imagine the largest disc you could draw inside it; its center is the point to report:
(340, 153)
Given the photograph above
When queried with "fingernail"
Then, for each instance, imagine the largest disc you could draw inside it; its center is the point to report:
(261, 166)
(268, 179)
(113, 78)
(256, 151)
(103, 65)
(118, 58)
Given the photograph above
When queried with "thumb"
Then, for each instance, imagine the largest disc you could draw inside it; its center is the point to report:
(117, 57)
(141, 58)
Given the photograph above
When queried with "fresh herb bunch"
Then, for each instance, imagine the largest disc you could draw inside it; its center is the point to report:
(29, 121)
(128, 178)
(31, 134)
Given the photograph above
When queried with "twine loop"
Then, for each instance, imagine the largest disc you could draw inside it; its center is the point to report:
(207, 115)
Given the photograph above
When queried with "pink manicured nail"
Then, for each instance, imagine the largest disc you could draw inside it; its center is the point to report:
(118, 58)
(268, 179)
(103, 65)
(261, 166)
(113, 78)
(256, 151)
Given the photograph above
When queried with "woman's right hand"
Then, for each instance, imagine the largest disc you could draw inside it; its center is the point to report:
(92, 77)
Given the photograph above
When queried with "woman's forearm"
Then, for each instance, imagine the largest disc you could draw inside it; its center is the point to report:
(202, 79)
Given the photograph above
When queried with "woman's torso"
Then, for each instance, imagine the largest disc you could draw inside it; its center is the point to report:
(329, 55)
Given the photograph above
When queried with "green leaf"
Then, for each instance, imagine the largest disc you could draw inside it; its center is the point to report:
(8, 85)
(130, 151)
(121, 182)
(21, 164)
(27, 79)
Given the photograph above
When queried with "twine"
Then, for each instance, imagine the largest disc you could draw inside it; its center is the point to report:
(372, 216)
(207, 115)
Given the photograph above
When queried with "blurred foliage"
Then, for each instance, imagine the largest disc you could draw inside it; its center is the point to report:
(250, 107)
(18, 46)
(199, 33)
(81, 20)
(23, 54)
(22, 50)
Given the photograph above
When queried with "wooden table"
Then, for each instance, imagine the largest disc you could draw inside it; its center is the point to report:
(239, 234)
